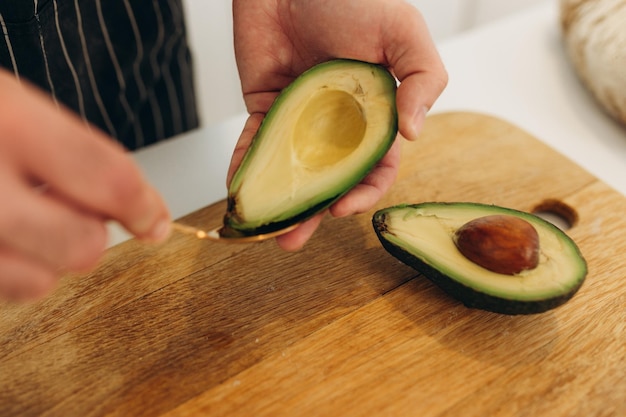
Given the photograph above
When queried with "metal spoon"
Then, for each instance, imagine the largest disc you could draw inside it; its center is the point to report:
(217, 234)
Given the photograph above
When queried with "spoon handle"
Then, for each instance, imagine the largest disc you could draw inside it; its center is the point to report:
(194, 231)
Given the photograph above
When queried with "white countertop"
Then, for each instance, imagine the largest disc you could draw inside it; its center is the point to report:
(515, 69)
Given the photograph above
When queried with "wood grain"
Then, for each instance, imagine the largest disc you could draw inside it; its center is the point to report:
(341, 328)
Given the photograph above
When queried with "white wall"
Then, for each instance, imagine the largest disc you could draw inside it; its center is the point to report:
(449, 17)
(210, 31)
(488, 10)
(210, 25)
(446, 18)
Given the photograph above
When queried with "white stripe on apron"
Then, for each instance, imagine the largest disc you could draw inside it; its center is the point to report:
(92, 80)
(176, 111)
(7, 40)
(45, 56)
(154, 104)
(139, 140)
(186, 73)
(139, 45)
(79, 91)
(118, 73)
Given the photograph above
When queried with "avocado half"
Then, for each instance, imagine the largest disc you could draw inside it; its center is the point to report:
(422, 236)
(321, 137)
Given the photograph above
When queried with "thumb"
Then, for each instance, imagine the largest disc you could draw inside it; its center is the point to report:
(415, 96)
(415, 61)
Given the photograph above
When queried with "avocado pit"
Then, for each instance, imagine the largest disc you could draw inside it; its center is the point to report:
(500, 243)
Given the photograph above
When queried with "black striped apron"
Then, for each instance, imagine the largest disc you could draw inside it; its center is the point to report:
(123, 65)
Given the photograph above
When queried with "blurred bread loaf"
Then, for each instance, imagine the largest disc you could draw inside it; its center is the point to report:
(594, 32)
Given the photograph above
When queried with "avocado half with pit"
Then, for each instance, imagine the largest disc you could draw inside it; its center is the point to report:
(426, 237)
(321, 137)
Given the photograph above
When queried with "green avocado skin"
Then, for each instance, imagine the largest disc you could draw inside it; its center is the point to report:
(231, 227)
(468, 296)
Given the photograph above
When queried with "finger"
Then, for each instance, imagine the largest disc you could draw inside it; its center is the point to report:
(22, 279)
(296, 239)
(245, 139)
(42, 227)
(82, 164)
(366, 194)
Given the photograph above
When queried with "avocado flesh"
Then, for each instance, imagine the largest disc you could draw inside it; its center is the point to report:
(422, 236)
(321, 137)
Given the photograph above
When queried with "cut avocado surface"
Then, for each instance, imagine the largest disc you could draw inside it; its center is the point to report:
(321, 137)
(423, 237)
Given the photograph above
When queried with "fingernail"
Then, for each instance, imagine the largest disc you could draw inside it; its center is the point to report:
(160, 231)
(418, 122)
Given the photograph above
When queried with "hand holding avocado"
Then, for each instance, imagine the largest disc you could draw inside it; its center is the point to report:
(275, 42)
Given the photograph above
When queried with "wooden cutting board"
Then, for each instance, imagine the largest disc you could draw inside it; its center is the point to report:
(340, 328)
